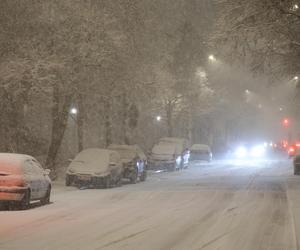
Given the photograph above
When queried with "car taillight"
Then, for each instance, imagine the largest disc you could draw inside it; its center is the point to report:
(291, 150)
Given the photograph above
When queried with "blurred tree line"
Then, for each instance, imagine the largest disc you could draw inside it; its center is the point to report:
(118, 63)
(264, 35)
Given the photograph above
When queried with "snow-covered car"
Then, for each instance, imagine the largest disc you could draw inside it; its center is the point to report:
(95, 167)
(297, 163)
(165, 156)
(182, 146)
(22, 180)
(134, 161)
(200, 152)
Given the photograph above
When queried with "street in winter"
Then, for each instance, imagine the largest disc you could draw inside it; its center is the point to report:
(224, 205)
(150, 125)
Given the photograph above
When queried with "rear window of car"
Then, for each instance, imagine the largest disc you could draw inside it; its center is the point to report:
(8, 168)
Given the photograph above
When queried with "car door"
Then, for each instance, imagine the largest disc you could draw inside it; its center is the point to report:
(43, 182)
(116, 168)
(31, 178)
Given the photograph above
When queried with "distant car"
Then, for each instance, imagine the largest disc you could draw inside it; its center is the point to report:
(165, 156)
(292, 149)
(95, 167)
(134, 161)
(22, 180)
(182, 146)
(200, 152)
(297, 163)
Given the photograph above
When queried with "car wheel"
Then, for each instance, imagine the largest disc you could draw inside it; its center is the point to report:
(25, 202)
(143, 176)
(119, 180)
(46, 199)
(107, 182)
(69, 180)
(133, 176)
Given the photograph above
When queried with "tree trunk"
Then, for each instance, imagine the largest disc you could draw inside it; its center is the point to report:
(60, 114)
(107, 122)
(80, 123)
(169, 112)
(125, 119)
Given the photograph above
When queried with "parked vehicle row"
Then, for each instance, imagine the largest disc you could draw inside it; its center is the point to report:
(23, 179)
(173, 153)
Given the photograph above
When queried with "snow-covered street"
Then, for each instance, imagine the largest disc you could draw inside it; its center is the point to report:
(225, 205)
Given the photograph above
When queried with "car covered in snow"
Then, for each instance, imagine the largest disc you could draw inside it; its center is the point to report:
(165, 156)
(182, 146)
(134, 161)
(22, 180)
(200, 152)
(95, 167)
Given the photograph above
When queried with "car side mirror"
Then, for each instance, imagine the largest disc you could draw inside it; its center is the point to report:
(47, 171)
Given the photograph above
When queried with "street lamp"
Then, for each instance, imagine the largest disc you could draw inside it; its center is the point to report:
(73, 111)
(158, 118)
(286, 122)
(296, 78)
(296, 6)
(212, 58)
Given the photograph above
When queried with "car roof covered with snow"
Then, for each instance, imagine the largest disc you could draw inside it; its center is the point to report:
(11, 163)
(165, 149)
(128, 151)
(200, 147)
(182, 142)
(14, 158)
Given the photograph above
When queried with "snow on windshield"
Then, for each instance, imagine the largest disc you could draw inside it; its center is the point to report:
(91, 160)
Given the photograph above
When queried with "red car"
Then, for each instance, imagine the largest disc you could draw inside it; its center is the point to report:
(22, 180)
(292, 149)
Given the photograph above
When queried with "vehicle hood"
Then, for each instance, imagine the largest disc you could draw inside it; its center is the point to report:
(91, 168)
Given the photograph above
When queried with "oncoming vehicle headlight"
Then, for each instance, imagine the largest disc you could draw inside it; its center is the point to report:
(258, 151)
(241, 152)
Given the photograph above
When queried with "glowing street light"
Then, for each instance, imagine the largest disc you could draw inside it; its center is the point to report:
(158, 118)
(247, 91)
(212, 58)
(296, 78)
(296, 6)
(286, 122)
(73, 111)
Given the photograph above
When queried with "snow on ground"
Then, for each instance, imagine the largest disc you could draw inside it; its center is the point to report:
(223, 205)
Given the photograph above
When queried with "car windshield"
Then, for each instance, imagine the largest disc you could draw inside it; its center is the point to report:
(125, 153)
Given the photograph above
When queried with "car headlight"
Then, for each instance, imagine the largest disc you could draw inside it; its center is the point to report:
(241, 152)
(258, 151)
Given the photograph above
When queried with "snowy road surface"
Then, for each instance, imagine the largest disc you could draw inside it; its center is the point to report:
(224, 205)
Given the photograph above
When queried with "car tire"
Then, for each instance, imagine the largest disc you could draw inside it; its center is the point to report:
(134, 176)
(107, 182)
(25, 202)
(143, 176)
(68, 180)
(119, 181)
(46, 199)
